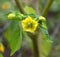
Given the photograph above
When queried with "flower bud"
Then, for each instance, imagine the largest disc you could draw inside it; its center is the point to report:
(41, 18)
(1, 47)
(11, 16)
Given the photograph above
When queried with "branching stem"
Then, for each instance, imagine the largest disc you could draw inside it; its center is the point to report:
(46, 9)
(20, 7)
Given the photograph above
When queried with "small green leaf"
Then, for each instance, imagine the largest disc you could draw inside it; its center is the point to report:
(29, 10)
(13, 35)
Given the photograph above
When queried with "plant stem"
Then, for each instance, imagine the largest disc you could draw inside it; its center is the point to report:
(19, 5)
(35, 47)
(34, 38)
(46, 9)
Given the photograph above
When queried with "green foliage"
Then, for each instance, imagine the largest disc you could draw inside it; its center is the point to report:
(29, 10)
(1, 55)
(46, 42)
(13, 35)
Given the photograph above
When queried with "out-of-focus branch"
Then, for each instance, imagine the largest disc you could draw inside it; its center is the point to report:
(36, 6)
(46, 9)
(19, 5)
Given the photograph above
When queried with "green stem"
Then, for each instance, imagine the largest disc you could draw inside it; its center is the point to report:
(34, 38)
(20, 7)
(46, 9)
(35, 46)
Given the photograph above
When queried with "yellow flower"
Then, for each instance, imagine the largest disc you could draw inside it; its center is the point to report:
(4, 6)
(1, 47)
(29, 24)
(11, 16)
(42, 18)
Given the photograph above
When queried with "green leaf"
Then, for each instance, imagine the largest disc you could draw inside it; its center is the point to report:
(1, 55)
(29, 10)
(13, 35)
(46, 42)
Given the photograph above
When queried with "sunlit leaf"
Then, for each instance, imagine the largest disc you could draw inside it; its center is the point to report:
(13, 35)
(29, 10)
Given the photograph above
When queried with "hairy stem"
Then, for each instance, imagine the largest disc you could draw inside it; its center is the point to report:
(46, 9)
(20, 7)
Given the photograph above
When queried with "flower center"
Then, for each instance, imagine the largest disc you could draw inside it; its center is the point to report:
(29, 25)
